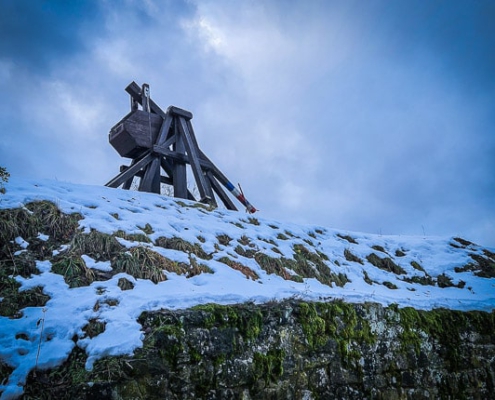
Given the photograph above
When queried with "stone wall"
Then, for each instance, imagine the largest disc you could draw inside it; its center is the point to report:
(292, 350)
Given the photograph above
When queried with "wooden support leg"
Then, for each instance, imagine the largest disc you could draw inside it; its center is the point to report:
(151, 179)
(130, 172)
(220, 193)
(203, 184)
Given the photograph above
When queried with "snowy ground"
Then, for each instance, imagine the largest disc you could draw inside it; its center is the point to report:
(70, 309)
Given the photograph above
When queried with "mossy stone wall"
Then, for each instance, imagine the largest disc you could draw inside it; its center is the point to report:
(291, 350)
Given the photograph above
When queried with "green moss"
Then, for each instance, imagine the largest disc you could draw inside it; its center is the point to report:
(247, 320)
(270, 366)
(444, 326)
(314, 327)
(336, 321)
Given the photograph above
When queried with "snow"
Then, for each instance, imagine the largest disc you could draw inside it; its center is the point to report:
(23, 346)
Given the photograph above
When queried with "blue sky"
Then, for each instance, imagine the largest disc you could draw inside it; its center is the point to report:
(371, 116)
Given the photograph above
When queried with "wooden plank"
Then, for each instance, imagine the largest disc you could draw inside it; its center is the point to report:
(166, 152)
(130, 172)
(204, 186)
(220, 193)
(151, 179)
(179, 112)
(164, 132)
(135, 91)
(179, 167)
(128, 183)
(145, 97)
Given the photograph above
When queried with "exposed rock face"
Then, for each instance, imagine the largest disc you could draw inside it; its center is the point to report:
(292, 350)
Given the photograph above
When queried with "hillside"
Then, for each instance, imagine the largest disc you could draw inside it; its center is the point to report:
(80, 265)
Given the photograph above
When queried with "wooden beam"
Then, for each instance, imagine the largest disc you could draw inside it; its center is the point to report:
(179, 112)
(135, 91)
(145, 97)
(179, 167)
(128, 183)
(220, 193)
(130, 172)
(151, 179)
(163, 134)
(204, 186)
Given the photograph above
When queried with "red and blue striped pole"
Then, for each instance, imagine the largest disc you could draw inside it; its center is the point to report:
(240, 196)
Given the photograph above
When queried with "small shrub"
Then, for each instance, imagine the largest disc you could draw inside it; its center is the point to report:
(4, 178)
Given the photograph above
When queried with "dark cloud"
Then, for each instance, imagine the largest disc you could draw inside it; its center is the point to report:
(39, 34)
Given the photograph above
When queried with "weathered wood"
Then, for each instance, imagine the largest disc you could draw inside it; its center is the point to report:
(158, 140)
(145, 97)
(179, 167)
(204, 187)
(135, 133)
(135, 91)
(130, 172)
(128, 183)
(220, 193)
(179, 112)
(151, 179)
(163, 135)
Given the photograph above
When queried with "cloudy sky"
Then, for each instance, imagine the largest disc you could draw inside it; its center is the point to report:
(368, 115)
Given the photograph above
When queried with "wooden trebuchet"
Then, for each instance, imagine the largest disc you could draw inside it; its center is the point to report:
(161, 144)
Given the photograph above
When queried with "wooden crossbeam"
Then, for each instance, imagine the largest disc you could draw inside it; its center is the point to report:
(130, 172)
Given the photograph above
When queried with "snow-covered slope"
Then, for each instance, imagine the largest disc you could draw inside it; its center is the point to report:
(219, 256)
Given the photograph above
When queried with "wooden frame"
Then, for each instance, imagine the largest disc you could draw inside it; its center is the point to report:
(163, 142)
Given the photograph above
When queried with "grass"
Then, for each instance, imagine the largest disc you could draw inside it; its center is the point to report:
(385, 264)
(349, 256)
(74, 271)
(143, 263)
(246, 271)
(177, 243)
(350, 239)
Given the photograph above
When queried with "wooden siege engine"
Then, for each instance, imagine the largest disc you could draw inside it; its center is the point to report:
(161, 145)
